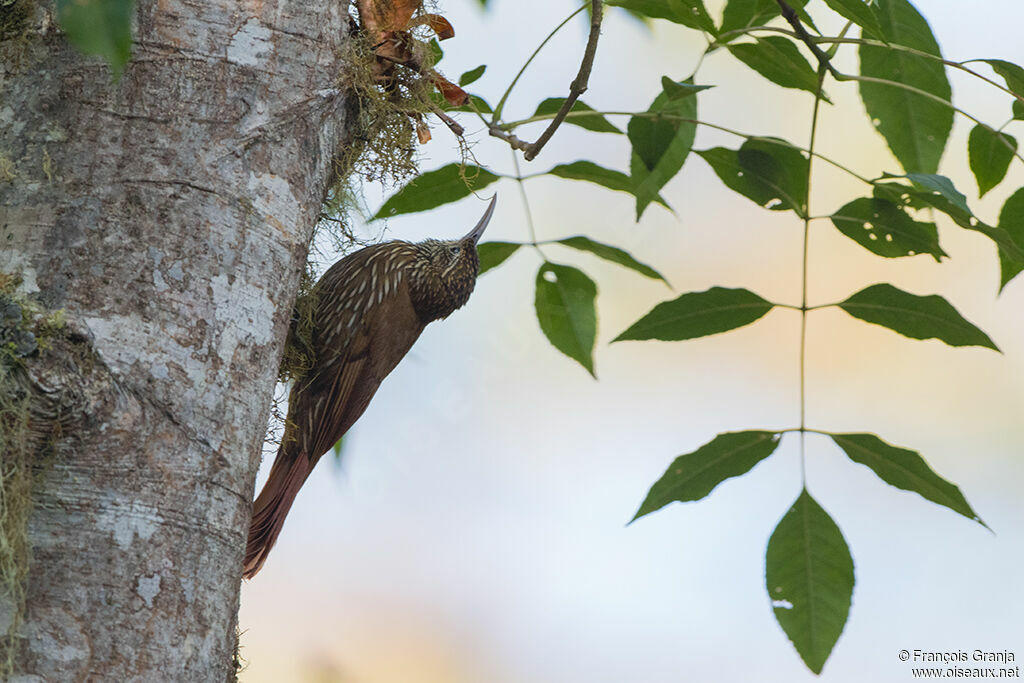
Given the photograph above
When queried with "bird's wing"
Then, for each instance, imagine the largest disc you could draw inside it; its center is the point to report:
(340, 392)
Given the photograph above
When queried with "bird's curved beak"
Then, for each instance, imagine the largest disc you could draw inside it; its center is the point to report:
(476, 232)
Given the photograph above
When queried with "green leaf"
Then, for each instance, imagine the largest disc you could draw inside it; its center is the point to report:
(918, 317)
(1014, 77)
(904, 469)
(883, 228)
(691, 13)
(436, 188)
(943, 186)
(337, 450)
(99, 27)
(1011, 220)
(593, 122)
(772, 174)
(694, 475)
(605, 177)
(493, 254)
(990, 153)
(916, 128)
(472, 75)
(745, 13)
(613, 254)
(859, 13)
(565, 311)
(809, 577)
(661, 145)
(698, 314)
(474, 104)
(778, 59)
(951, 202)
(435, 53)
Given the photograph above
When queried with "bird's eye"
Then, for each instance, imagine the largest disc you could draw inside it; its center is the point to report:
(454, 250)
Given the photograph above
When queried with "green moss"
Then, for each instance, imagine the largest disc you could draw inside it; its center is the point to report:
(298, 348)
(7, 173)
(14, 16)
(15, 505)
(26, 328)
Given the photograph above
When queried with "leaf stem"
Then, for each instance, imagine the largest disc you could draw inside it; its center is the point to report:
(823, 68)
(802, 430)
(707, 124)
(928, 95)
(526, 206)
(794, 307)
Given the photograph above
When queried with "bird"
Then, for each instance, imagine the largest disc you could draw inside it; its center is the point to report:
(370, 307)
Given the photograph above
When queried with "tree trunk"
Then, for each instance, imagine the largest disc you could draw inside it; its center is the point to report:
(168, 214)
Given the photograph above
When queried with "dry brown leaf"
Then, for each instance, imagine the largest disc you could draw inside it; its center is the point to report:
(455, 95)
(378, 16)
(436, 23)
(422, 132)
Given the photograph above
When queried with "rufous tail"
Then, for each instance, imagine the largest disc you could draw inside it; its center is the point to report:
(271, 507)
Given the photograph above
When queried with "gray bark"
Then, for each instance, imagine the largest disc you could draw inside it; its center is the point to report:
(169, 215)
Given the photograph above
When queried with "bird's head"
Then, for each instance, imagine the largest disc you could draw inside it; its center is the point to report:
(447, 270)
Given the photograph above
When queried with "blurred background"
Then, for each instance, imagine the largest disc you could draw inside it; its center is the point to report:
(476, 527)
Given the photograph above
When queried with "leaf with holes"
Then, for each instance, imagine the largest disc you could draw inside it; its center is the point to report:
(493, 254)
(883, 228)
(436, 188)
(917, 317)
(1011, 220)
(904, 469)
(779, 60)
(565, 311)
(809, 578)
(694, 475)
(950, 201)
(661, 142)
(990, 153)
(472, 75)
(605, 177)
(914, 126)
(1014, 77)
(99, 27)
(691, 13)
(941, 185)
(771, 174)
(613, 254)
(698, 314)
(578, 117)
(859, 13)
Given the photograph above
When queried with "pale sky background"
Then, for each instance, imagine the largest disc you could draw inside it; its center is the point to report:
(476, 530)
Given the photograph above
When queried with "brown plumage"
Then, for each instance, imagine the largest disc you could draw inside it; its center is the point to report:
(371, 306)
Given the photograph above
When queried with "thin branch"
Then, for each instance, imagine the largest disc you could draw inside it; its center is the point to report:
(576, 88)
(452, 124)
(508, 91)
(790, 15)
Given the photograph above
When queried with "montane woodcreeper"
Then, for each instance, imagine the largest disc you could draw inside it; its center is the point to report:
(370, 307)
